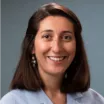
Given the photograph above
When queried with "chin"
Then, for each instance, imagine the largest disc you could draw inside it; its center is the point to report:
(57, 71)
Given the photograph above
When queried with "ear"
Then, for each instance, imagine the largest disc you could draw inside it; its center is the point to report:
(33, 51)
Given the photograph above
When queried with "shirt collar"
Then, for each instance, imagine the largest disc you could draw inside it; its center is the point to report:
(77, 95)
(71, 98)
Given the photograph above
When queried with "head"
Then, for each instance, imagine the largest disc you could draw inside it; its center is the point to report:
(77, 70)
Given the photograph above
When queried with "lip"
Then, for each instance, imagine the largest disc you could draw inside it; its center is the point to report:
(58, 61)
(57, 56)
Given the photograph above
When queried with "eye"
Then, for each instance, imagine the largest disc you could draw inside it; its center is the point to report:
(67, 37)
(46, 37)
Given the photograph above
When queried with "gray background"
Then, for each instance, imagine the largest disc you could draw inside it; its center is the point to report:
(14, 20)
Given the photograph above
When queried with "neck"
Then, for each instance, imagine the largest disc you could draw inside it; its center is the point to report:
(52, 83)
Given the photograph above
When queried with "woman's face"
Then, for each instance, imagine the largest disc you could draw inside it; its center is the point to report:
(54, 45)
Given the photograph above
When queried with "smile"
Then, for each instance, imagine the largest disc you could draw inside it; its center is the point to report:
(55, 58)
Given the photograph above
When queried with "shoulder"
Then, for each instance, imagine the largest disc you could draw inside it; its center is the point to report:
(94, 96)
(19, 97)
(89, 97)
(13, 97)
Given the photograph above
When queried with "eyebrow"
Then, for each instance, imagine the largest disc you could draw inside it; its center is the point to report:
(65, 31)
(47, 31)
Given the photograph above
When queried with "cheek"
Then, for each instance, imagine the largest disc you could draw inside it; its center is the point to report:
(71, 48)
(40, 47)
(74, 49)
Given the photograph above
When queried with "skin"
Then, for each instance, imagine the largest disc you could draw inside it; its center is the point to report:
(55, 38)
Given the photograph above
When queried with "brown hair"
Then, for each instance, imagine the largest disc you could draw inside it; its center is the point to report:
(27, 77)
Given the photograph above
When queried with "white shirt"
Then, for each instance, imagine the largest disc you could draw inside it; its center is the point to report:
(29, 97)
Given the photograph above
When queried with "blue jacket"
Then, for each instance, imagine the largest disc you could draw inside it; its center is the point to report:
(28, 97)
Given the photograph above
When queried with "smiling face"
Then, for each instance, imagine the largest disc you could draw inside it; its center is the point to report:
(54, 45)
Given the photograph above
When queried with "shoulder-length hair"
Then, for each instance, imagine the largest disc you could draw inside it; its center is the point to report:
(27, 77)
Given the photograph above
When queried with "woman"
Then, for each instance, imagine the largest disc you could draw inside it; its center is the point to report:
(53, 67)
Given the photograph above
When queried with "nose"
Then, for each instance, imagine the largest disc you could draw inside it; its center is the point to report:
(56, 46)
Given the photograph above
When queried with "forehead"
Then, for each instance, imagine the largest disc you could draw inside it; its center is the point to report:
(56, 23)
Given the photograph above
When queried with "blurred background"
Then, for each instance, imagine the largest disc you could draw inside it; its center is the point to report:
(14, 19)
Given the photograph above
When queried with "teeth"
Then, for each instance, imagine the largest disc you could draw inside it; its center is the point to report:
(56, 59)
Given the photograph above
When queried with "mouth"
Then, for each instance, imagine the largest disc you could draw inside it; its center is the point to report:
(57, 58)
